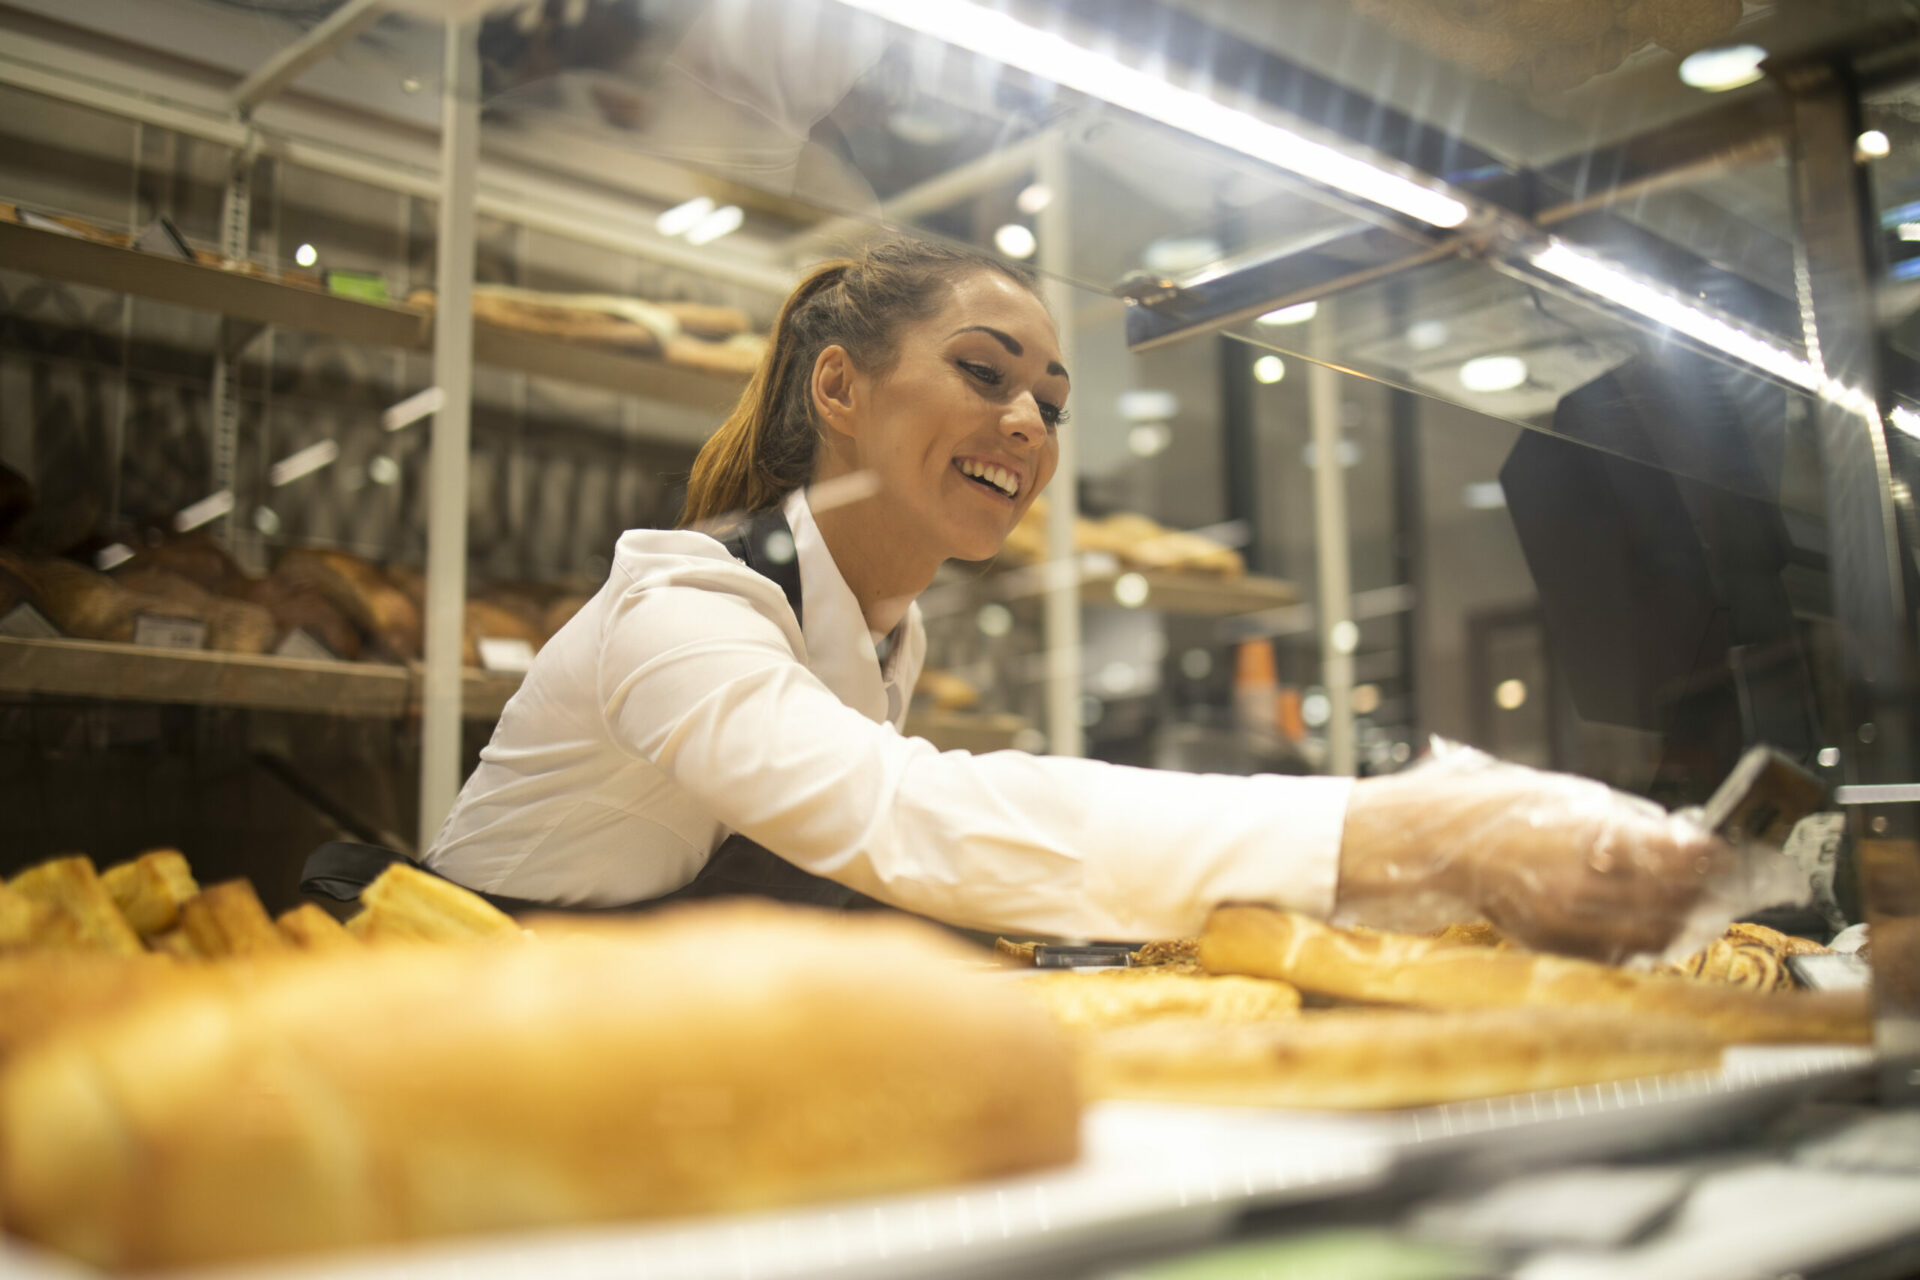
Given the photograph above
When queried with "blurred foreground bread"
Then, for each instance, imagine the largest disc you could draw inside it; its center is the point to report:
(1406, 969)
(710, 1058)
(1389, 1058)
(151, 889)
(1091, 999)
(406, 904)
(71, 887)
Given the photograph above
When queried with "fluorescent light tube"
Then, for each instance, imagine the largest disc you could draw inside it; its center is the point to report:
(1051, 57)
(303, 462)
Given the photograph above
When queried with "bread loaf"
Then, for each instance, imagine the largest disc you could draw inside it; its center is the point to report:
(1351, 1059)
(1395, 968)
(714, 1057)
(357, 588)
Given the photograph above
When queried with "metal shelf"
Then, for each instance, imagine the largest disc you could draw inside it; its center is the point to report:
(126, 672)
(209, 678)
(261, 301)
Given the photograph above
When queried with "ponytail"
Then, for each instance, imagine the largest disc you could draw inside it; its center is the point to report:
(765, 449)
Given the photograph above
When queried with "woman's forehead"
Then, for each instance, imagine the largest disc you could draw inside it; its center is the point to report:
(987, 298)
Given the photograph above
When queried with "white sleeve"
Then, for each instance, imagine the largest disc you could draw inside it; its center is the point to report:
(698, 677)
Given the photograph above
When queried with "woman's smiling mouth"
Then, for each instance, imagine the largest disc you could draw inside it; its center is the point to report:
(996, 479)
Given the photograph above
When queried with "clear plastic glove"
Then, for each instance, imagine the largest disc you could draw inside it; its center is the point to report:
(1557, 862)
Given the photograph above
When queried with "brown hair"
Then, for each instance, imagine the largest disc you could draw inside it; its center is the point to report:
(765, 448)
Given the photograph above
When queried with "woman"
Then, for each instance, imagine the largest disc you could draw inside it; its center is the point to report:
(724, 715)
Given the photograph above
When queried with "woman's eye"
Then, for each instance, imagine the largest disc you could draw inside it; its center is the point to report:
(1053, 415)
(984, 372)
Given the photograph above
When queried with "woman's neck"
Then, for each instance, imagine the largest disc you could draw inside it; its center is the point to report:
(884, 575)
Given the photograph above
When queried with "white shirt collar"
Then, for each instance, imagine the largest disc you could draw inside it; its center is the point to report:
(839, 647)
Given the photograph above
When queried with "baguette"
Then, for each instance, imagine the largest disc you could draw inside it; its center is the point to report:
(1403, 969)
(714, 1057)
(1100, 998)
(1352, 1059)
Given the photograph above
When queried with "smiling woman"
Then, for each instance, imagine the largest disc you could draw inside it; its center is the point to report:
(723, 717)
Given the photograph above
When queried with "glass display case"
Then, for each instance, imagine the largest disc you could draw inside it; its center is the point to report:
(1535, 376)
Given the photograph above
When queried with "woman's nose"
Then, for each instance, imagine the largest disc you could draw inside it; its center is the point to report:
(1023, 422)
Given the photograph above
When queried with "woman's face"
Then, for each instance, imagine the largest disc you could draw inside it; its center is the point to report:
(961, 433)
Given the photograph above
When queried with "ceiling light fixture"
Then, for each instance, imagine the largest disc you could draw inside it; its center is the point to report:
(1872, 145)
(1148, 405)
(1604, 279)
(1718, 70)
(1015, 241)
(1033, 198)
(306, 255)
(716, 224)
(209, 508)
(1905, 419)
(1493, 373)
(1269, 369)
(1149, 439)
(1299, 313)
(303, 462)
(682, 218)
(1054, 58)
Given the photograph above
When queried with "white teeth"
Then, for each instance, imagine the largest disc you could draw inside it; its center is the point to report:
(999, 477)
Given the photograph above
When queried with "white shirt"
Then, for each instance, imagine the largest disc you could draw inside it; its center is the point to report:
(685, 701)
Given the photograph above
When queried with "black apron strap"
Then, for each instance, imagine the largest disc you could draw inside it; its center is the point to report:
(765, 545)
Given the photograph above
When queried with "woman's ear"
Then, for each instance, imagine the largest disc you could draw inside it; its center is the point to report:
(836, 390)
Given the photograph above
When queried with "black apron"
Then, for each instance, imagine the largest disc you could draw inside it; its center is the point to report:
(738, 868)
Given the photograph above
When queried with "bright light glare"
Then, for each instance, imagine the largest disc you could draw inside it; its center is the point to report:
(1493, 373)
(1316, 709)
(1905, 419)
(1344, 636)
(1485, 495)
(1717, 70)
(1269, 369)
(1610, 282)
(1148, 405)
(1366, 699)
(683, 218)
(1872, 144)
(716, 224)
(1299, 313)
(994, 620)
(1149, 439)
(383, 470)
(1510, 695)
(211, 507)
(306, 255)
(1015, 241)
(303, 462)
(1034, 198)
(114, 553)
(1131, 590)
(1007, 40)
(1425, 335)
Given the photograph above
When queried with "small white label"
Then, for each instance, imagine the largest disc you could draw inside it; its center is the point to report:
(24, 622)
(157, 631)
(299, 643)
(505, 655)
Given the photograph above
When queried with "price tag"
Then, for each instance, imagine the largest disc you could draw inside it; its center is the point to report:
(24, 622)
(158, 631)
(505, 655)
(300, 643)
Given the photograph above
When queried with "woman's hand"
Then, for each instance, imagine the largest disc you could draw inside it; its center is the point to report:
(1557, 862)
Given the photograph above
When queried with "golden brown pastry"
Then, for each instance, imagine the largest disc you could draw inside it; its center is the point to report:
(72, 887)
(719, 1057)
(1096, 999)
(227, 920)
(150, 889)
(1388, 1058)
(1396, 968)
(310, 928)
(406, 904)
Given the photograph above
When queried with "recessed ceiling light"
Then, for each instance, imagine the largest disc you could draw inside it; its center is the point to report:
(1033, 198)
(1493, 373)
(1728, 67)
(1149, 439)
(1015, 241)
(1176, 255)
(682, 218)
(1269, 369)
(1485, 495)
(306, 255)
(716, 224)
(1148, 405)
(1872, 145)
(1296, 314)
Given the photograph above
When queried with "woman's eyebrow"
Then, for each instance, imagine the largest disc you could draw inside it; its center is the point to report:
(1012, 345)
